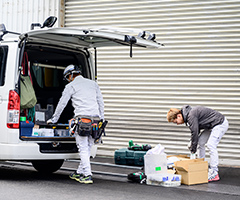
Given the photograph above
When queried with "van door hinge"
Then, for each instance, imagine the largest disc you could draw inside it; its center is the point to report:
(131, 40)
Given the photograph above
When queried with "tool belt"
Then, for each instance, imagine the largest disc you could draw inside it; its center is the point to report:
(86, 126)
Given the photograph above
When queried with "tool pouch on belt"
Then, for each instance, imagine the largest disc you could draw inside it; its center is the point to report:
(85, 127)
(95, 130)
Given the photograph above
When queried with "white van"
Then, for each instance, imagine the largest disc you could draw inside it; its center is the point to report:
(42, 55)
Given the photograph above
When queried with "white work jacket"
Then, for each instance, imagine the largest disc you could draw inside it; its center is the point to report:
(86, 99)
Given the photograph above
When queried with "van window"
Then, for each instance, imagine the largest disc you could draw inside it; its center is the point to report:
(3, 59)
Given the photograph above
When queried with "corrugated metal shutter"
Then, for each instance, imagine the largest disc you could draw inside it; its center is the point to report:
(18, 15)
(199, 65)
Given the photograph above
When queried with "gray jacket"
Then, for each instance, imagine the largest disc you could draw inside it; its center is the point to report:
(198, 118)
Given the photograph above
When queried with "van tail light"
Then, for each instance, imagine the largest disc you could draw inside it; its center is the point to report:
(13, 110)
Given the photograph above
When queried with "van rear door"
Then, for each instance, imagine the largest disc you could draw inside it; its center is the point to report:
(93, 37)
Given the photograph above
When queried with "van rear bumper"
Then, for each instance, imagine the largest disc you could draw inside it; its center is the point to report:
(31, 138)
(32, 151)
(57, 147)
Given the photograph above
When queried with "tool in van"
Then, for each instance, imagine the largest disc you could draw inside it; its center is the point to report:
(72, 126)
(74, 123)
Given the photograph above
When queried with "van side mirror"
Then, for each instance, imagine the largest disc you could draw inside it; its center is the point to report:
(4, 31)
(2, 28)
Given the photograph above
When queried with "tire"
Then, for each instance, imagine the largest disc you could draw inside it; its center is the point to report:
(47, 166)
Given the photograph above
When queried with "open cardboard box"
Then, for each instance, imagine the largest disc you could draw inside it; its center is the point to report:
(193, 171)
(180, 156)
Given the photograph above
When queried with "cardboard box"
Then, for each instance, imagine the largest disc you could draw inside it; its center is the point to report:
(180, 156)
(193, 171)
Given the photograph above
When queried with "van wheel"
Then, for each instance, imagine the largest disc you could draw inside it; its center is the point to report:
(47, 166)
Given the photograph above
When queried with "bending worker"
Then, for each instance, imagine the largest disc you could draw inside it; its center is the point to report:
(214, 126)
(87, 102)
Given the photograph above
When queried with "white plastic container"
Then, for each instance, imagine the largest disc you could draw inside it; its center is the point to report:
(171, 183)
(166, 180)
(164, 177)
(62, 132)
(155, 164)
(47, 132)
(37, 132)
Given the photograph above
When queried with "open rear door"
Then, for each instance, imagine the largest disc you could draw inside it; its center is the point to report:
(93, 37)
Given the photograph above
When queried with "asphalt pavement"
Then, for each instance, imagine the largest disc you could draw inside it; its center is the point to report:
(229, 176)
(20, 180)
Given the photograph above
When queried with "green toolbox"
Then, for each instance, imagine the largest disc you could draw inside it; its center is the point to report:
(125, 156)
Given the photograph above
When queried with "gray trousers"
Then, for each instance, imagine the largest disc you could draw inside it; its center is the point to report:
(212, 138)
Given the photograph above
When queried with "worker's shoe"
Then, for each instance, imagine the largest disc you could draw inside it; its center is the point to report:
(76, 176)
(86, 179)
(213, 176)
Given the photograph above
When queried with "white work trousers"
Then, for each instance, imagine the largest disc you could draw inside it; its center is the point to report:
(84, 144)
(212, 138)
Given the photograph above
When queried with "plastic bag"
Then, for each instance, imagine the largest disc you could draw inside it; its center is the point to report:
(27, 93)
(159, 149)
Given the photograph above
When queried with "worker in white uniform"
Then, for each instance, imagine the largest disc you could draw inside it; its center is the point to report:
(87, 101)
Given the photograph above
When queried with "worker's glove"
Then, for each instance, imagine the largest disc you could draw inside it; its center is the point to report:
(49, 121)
